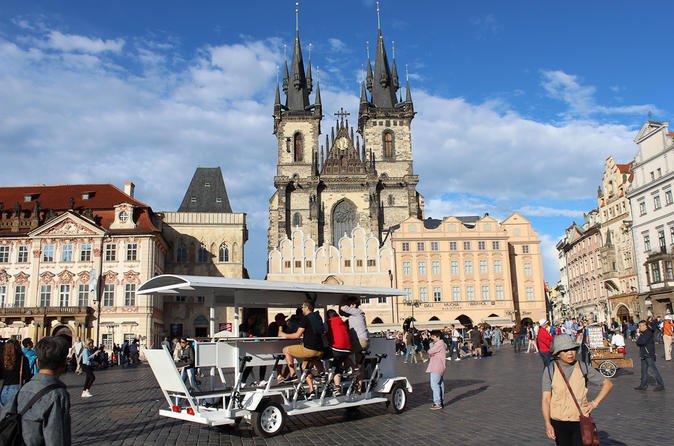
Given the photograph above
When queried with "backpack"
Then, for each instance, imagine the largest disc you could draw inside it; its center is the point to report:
(10, 426)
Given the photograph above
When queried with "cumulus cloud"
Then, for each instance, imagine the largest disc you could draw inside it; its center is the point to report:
(545, 211)
(581, 98)
(57, 40)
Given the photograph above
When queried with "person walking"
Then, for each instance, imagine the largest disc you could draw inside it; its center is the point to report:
(497, 337)
(667, 334)
(409, 348)
(436, 368)
(544, 341)
(77, 349)
(531, 335)
(646, 343)
(15, 371)
(30, 354)
(454, 347)
(564, 392)
(89, 354)
(45, 400)
(476, 342)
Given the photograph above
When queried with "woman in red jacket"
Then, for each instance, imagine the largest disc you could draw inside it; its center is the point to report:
(340, 343)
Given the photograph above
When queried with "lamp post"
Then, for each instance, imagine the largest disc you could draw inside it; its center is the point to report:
(413, 304)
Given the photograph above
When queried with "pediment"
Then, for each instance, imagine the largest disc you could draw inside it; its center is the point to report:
(68, 224)
(648, 129)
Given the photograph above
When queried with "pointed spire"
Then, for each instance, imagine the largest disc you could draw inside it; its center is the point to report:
(285, 69)
(382, 85)
(277, 98)
(363, 93)
(297, 90)
(369, 76)
(317, 101)
(408, 93)
(394, 69)
(310, 83)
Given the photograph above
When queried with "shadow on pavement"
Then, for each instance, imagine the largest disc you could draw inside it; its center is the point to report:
(608, 441)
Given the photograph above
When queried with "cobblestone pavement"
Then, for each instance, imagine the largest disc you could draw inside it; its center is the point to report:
(494, 401)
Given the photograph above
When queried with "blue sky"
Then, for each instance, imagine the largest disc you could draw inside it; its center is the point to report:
(519, 104)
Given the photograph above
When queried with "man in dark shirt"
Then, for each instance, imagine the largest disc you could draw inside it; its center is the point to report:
(312, 342)
(47, 422)
(646, 345)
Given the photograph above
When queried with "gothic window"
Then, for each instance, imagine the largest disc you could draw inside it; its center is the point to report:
(203, 254)
(391, 200)
(297, 219)
(181, 254)
(344, 219)
(298, 148)
(388, 144)
(223, 255)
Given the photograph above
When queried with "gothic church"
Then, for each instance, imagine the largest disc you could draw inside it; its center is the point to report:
(362, 176)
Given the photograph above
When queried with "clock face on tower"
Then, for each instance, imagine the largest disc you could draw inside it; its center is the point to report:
(123, 216)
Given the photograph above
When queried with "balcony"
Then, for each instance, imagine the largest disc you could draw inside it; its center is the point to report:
(49, 311)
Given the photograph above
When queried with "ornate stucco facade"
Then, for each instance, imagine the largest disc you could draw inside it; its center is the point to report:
(619, 277)
(469, 269)
(71, 258)
(650, 196)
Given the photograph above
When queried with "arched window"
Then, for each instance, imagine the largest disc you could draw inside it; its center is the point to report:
(181, 254)
(223, 255)
(388, 144)
(298, 148)
(297, 219)
(202, 254)
(391, 200)
(344, 219)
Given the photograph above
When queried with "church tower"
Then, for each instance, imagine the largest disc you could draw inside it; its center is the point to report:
(328, 190)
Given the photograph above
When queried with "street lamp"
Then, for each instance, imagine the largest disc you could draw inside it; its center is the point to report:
(413, 304)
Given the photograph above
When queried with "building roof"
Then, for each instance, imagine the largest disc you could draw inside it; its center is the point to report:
(206, 192)
(625, 168)
(41, 203)
(432, 223)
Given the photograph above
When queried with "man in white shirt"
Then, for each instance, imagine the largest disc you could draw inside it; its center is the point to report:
(77, 351)
(455, 345)
(618, 341)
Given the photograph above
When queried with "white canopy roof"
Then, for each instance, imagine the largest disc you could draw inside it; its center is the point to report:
(257, 293)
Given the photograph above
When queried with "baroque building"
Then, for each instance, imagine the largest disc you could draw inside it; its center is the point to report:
(618, 275)
(359, 176)
(471, 269)
(71, 258)
(650, 196)
(205, 238)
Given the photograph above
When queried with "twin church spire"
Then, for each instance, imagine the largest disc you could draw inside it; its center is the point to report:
(382, 82)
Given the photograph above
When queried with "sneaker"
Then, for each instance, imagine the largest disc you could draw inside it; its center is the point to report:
(404, 362)
(457, 359)
(659, 388)
(641, 388)
(425, 360)
(436, 406)
(86, 394)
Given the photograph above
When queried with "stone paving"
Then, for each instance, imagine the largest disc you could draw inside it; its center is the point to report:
(494, 401)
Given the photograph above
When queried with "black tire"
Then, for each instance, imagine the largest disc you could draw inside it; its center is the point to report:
(397, 398)
(269, 419)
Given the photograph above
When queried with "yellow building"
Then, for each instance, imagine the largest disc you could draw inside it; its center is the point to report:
(469, 269)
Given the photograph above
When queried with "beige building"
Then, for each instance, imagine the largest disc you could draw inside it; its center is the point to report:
(71, 259)
(619, 275)
(469, 269)
(356, 260)
(205, 238)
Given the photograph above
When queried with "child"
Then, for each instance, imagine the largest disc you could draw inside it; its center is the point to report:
(618, 341)
(436, 368)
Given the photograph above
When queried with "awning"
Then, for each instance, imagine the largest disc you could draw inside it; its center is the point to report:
(497, 321)
(258, 293)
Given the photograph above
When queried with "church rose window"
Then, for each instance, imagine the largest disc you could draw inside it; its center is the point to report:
(344, 219)
(298, 148)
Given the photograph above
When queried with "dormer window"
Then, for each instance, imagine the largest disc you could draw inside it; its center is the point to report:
(218, 200)
(87, 195)
(207, 185)
(193, 200)
(29, 197)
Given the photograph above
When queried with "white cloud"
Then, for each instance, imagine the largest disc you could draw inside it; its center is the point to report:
(550, 258)
(337, 45)
(544, 211)
(581, 98)
(74, 43)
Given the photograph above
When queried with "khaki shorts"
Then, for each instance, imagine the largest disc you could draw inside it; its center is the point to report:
(301, 352)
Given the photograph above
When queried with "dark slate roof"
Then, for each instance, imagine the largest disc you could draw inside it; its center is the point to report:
(469, 220)
(206, 187)
(432, 223)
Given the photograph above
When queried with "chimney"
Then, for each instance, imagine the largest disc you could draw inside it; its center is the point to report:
(129, 188)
